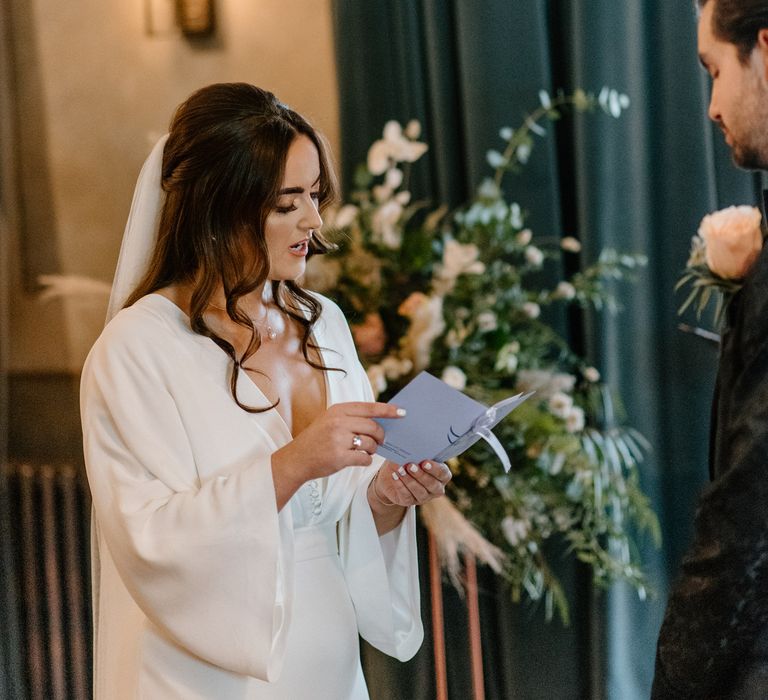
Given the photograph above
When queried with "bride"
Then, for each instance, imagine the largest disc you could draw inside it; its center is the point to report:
(244, 531)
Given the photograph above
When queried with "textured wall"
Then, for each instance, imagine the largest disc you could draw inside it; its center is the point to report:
(94, 90)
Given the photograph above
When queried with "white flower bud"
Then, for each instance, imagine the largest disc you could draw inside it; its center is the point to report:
(591, 375)
(531, 309)
(565, 290)
(534, 256)
(454, 377)
(570, 244)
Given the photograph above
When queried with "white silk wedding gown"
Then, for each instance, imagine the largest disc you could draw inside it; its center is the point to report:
(201, 588)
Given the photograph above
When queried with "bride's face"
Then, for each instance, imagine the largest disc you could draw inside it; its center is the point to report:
(291, 223)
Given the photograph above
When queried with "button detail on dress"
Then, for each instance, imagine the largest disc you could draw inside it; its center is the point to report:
(314, 495)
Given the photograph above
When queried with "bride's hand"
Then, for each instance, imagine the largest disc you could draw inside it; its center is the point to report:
(410, 484)
(344, 435)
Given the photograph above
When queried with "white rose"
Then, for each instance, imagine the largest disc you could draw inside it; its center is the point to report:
(487, 321)
(733, 240)
(534, 256)
(574, 421)
(560, 404)
(454, 377)
(531, 309)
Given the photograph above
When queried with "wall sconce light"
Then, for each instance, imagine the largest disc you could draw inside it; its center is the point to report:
(193, 18)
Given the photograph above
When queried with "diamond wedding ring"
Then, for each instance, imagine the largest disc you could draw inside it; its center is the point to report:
(357, 442)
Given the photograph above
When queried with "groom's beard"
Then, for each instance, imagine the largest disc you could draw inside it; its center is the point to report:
(749, 159)
(751, 156)
(749, 149)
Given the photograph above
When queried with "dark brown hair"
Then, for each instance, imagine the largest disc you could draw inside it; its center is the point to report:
(223, 165)
(738, 22)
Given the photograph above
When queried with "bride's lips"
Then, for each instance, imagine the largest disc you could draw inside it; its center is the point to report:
(301, 248)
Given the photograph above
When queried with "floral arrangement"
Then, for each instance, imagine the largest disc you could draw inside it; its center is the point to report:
(723, 251)
(464, 295)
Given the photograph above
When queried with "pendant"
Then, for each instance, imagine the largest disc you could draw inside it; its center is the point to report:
(271, 333)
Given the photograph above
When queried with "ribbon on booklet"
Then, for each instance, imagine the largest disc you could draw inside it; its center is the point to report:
(481, 428)
(441, 422)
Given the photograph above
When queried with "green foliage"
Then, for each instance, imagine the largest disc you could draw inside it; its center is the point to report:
(465, 295)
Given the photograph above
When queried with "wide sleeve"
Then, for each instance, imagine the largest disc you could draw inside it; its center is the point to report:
(209, 563)
(382, 575)
(719, 604)
(381, 572)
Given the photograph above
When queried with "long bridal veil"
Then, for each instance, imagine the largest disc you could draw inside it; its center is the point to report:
(140, 230)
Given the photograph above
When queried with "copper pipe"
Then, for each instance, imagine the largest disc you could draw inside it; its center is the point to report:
(473, 614)
(438, 628)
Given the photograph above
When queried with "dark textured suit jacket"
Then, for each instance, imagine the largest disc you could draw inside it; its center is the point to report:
(714, 639)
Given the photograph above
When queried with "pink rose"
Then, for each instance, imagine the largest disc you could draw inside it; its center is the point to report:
(370, 336)
(733, 240)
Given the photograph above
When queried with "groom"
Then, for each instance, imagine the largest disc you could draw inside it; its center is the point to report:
(714, 639)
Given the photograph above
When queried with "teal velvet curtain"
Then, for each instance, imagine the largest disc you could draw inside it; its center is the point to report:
(640, 183)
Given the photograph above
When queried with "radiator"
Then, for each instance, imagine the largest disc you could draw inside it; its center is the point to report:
(49, 508)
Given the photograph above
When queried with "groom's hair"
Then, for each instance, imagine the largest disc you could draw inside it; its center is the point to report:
(738, 22)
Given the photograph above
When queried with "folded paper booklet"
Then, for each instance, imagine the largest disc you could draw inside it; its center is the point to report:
(441, 422)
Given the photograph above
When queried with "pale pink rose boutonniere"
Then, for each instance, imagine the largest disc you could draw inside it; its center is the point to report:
(726, 247)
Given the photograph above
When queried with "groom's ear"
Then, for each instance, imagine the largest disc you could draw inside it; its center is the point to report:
(762, 47)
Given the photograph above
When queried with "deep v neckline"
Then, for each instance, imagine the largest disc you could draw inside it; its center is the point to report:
(326, 386)
(252, 387)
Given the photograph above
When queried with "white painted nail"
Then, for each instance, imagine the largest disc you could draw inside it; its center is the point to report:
(402, 471)
(427, 465)
(414, 468)
(395, 477)
(401, 412)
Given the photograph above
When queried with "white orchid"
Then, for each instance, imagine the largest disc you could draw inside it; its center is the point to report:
(379, 157)
(394, 147)
(385, 224)
(393, 178)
